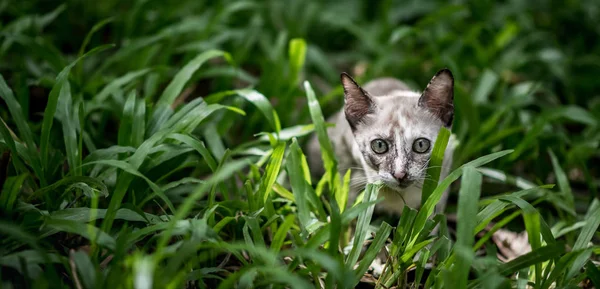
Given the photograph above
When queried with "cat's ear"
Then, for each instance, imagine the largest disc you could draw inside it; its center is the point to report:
(357, 103)
(438, 96)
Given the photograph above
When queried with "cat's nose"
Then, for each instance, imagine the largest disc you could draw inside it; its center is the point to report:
(400, 176)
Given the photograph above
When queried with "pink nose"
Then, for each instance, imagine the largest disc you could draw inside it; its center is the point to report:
(400, 175)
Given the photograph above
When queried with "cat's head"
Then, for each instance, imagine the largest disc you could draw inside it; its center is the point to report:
(396, 132)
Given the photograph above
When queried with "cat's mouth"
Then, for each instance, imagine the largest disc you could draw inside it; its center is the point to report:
(398, 186)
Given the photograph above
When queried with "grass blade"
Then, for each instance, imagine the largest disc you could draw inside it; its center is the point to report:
(431, 202)
(563, 182)
(299, 185)
(435, 164)
(316, 114)
(468, 198)
(176, 86)
(50, 110)
(271, 172)
(362, 224)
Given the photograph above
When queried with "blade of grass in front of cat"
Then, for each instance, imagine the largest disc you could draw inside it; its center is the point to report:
(428, 208)
(468, 198)
(435, 164)
(362, 224)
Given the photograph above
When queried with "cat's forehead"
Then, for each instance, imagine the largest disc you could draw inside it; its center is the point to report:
(403, 113)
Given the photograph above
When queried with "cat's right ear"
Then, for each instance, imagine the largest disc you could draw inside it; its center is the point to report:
(357, 103)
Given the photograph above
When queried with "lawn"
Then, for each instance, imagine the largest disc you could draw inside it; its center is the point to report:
(154, 144)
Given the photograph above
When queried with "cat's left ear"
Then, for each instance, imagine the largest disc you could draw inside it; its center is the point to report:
(438, 96)
(357, 102)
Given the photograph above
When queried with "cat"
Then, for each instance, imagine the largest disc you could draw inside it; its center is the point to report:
(386, 132)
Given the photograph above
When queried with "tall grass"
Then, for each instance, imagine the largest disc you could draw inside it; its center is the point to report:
(149, 145)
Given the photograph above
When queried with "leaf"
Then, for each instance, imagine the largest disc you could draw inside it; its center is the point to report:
(468, 198)
(117, 83)
(374, 249)
(534, 257)
(282, 232)
(593, 273)
(223, 173)
(299, 185)
(10, 192)
(126, 124)
(485, 86)
(89, 232)
(341, 195)
(316, 115)
(362, 224)
(297, 55)
(588, 231)
(435, 164)
(287, 134)
(563, 182)
(33, 258)
(429, 206)
(83, 215)
(176, 86)
(68, 117)
(85, 268)
(139, 123)
(198, 146)
(17, 113)
(93, 182)
(271, 172)
(127, 167)
(50, 110)
(497, 207)
(184, 121)
(263, 104)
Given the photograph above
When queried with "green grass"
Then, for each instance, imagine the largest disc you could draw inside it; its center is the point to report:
(146, 145)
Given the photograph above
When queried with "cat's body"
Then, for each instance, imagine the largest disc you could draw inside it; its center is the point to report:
(386, 133)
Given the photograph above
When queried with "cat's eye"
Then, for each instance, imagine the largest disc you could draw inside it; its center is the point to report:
(379, 146)
(421, 145)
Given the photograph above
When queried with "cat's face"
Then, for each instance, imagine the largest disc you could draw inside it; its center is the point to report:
(396, 133)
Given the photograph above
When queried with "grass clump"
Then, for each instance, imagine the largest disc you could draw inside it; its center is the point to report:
(146, 145)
